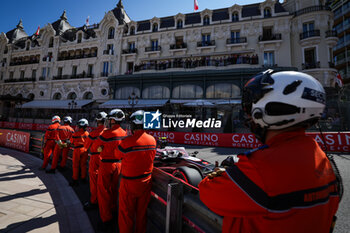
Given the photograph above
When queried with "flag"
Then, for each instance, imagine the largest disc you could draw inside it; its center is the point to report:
(87, 21)
(339, 80)
(195, 5)
(37, 31)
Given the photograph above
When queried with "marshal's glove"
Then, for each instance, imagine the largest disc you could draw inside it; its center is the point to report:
(100, 149)
(229, 161)
(217, 172)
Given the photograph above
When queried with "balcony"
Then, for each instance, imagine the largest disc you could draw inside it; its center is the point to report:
(129, 51)
(48, 59)
(311, 65)
(19, 63)
(206, 43)
(271, 37)
(104, 74)
(309, 34)
(108, 52)
(236, 40)
(311, 9)
(153, 49)
(42, 78)
(331, 38)
(19, 80)
(77, 57)
(178, 46)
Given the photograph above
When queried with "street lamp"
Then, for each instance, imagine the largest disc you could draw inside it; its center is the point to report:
(72, 104)
(18, 106)
(133, 100)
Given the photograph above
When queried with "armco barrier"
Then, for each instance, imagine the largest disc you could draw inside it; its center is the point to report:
(333, 141)
(174, 207)
(15, 139)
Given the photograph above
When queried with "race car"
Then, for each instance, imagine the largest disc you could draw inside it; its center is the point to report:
(177, 161)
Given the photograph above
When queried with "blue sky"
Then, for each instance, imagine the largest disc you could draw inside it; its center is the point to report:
(41, 12)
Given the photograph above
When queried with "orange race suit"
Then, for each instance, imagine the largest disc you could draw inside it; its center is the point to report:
(91, 144)
(80, 155)
(63, 134)
(137, 153)
(289, 186)
(108, 171)
(49, 142)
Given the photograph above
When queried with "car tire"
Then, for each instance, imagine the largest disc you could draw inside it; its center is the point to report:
(189, 175)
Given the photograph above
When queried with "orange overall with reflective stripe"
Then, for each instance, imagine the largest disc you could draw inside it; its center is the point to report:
(80, 155)
(63, 133)
(49, 139)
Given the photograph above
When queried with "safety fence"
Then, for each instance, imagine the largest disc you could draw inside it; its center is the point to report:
(330, 141)
(175, 206)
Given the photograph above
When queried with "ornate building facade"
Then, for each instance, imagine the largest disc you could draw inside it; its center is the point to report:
(198, 60)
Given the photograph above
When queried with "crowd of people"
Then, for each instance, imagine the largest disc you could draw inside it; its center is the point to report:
(194, 62)
(287, 185)
(120, 166)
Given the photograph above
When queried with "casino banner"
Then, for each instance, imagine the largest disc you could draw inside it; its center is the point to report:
(15, 139)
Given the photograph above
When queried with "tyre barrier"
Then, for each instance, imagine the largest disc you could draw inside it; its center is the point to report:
(175, 206)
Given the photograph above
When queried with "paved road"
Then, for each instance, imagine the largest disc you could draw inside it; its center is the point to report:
(213, 154)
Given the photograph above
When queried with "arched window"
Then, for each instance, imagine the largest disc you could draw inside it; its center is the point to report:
(188, 92)
(267, 12)
(155, 27)
(223, 90)
(125, 92)
(51, 42)
(31, 96)
(88, 96)
(179, 24)
(206, 20)
(156, 92)
(111, 32)
(57, 96)
(28, 45)
(80, 37)
(235, 17)
(132, 30)
(72, 96)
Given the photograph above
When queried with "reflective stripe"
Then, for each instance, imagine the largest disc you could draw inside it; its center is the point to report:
(111, 139)
(94, 153)
(283, 202)
(137, 148)
(77, 147)
(51, 129)
(136, 177)
(93, 138)
(79, 136)
(110, 160)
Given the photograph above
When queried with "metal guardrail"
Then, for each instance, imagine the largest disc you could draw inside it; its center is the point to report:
(175, 206)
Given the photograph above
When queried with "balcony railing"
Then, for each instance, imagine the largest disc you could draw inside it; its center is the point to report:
(19, 80)
(178, 46)
(331, 33)
(311, 9)
(47, 59)
(77, 57)
(104, 74)
(42, 78)
(206, 43)
(18, 63)
(129, 51)
(276, 36)
(109, 51)
(150, 49)
(311, 65)
(308, 34)
(236, 40)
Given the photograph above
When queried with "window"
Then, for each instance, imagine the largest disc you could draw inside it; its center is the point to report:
(156, 92)
(110, 50)
(105, 69)
(125, 92)
(74, 71)
(131, 46)
(267, 33)
(206, 20)
(179, 24)
(11, 75)
(43, 73)
(90, 70)
(155, 27)
(33, 74)
(59, 71)
(206, 39)
(154, 45)
(310, 26)
(223, 90)
(57, 96)
(267, 12)
(310, 58)
(28, 45)
(104, 92)
(132, 30)
(22, 74)
(235, 36)
(72, 96)
(48, 72)
(187, 92)
(80, 37)
(6, 50)
(2, 76)
(51, 42)
(235, 17)
(88, 96)
(31, 96)
(269, 58)
(111, 32)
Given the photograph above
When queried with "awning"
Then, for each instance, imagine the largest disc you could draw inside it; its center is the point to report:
(142, 103)
(200, 103)
(55, 104)
(204, 102)
(222, 102)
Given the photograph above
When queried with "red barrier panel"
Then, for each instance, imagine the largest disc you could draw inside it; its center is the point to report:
(40, 127)
(15, 139)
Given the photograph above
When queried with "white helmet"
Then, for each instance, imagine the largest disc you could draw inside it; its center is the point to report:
(83, 122)
(283, 99)
(67, 119)
(101, 116)
(55, 119)
(137, 117)
(116, 114)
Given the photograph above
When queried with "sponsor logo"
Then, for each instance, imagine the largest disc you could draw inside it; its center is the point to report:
(152, 120)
